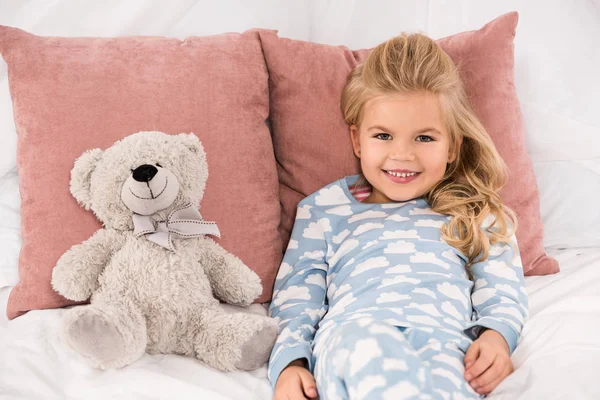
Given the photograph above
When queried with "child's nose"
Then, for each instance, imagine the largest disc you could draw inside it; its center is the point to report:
(402, 152)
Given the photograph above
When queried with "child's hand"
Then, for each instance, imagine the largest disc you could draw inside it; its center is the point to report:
(487, 362)
(295, 383)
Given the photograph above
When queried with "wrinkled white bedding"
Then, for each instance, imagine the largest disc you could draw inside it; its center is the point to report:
(558, 356)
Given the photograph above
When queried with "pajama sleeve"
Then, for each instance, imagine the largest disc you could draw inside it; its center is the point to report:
(499, 297)
(299, 300)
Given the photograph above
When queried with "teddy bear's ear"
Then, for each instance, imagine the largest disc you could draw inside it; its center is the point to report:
(191, 141)
(81, 176)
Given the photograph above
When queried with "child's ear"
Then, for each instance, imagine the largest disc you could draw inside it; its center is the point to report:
(454, 152)
(451, 157)
(354, 135)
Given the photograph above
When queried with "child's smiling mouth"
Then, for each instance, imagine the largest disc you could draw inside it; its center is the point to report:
(401, 176)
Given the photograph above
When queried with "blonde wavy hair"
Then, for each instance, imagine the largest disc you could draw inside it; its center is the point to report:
(468, 192)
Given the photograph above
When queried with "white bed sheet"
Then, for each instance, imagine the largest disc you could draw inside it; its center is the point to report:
(35, 364)
(10, 230)
(558, 356)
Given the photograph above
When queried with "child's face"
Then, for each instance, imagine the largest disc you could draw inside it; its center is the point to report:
(402, 134)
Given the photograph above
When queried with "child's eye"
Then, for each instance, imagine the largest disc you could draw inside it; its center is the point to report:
(383, 136)
(424, 138)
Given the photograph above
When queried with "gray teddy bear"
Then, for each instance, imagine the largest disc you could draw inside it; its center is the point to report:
(152, 272)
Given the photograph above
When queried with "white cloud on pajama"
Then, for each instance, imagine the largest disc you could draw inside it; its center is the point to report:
(400, 247)
(366, 215)
(366, 227)
(331, 196)
(399, 234)
(303, 212)
(343, 211)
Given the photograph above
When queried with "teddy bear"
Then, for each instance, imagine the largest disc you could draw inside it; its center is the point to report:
(154, 275)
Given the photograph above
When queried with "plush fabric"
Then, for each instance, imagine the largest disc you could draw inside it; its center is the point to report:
(312, 142)
(147, 297)
(74, 94)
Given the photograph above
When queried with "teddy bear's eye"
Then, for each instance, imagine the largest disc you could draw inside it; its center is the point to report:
(158, 165)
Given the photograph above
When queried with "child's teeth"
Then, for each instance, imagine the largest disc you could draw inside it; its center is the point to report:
(402, 174)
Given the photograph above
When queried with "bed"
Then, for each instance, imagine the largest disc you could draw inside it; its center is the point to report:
(557, 357)
(558, 354)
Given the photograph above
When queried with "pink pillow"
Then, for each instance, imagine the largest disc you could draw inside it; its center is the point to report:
(74, 94)
(312, 143)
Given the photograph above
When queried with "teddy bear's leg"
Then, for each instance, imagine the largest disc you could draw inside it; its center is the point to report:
(237, 341)
(107, 334)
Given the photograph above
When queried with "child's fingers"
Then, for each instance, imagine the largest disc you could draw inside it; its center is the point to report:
(484, 360)
(471, 354)
(486, 389)
(308, 384)
(489, 375)
(290, 390)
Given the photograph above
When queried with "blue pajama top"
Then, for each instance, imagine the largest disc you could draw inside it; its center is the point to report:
(347, 259)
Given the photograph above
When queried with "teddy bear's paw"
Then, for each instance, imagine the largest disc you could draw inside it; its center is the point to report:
(234, 341)
(70, 285)
(245, 295)
(255, 352)
(96, 338)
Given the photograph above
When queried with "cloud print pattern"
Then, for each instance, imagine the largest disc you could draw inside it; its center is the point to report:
(348, 260)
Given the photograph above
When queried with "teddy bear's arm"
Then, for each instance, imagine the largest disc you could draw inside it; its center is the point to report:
(230, 279)
(76, 273)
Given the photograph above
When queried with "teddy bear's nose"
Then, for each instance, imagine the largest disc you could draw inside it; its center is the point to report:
(144, 173)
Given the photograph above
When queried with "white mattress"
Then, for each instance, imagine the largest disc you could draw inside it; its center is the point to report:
(558, 356)
(35, 364)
